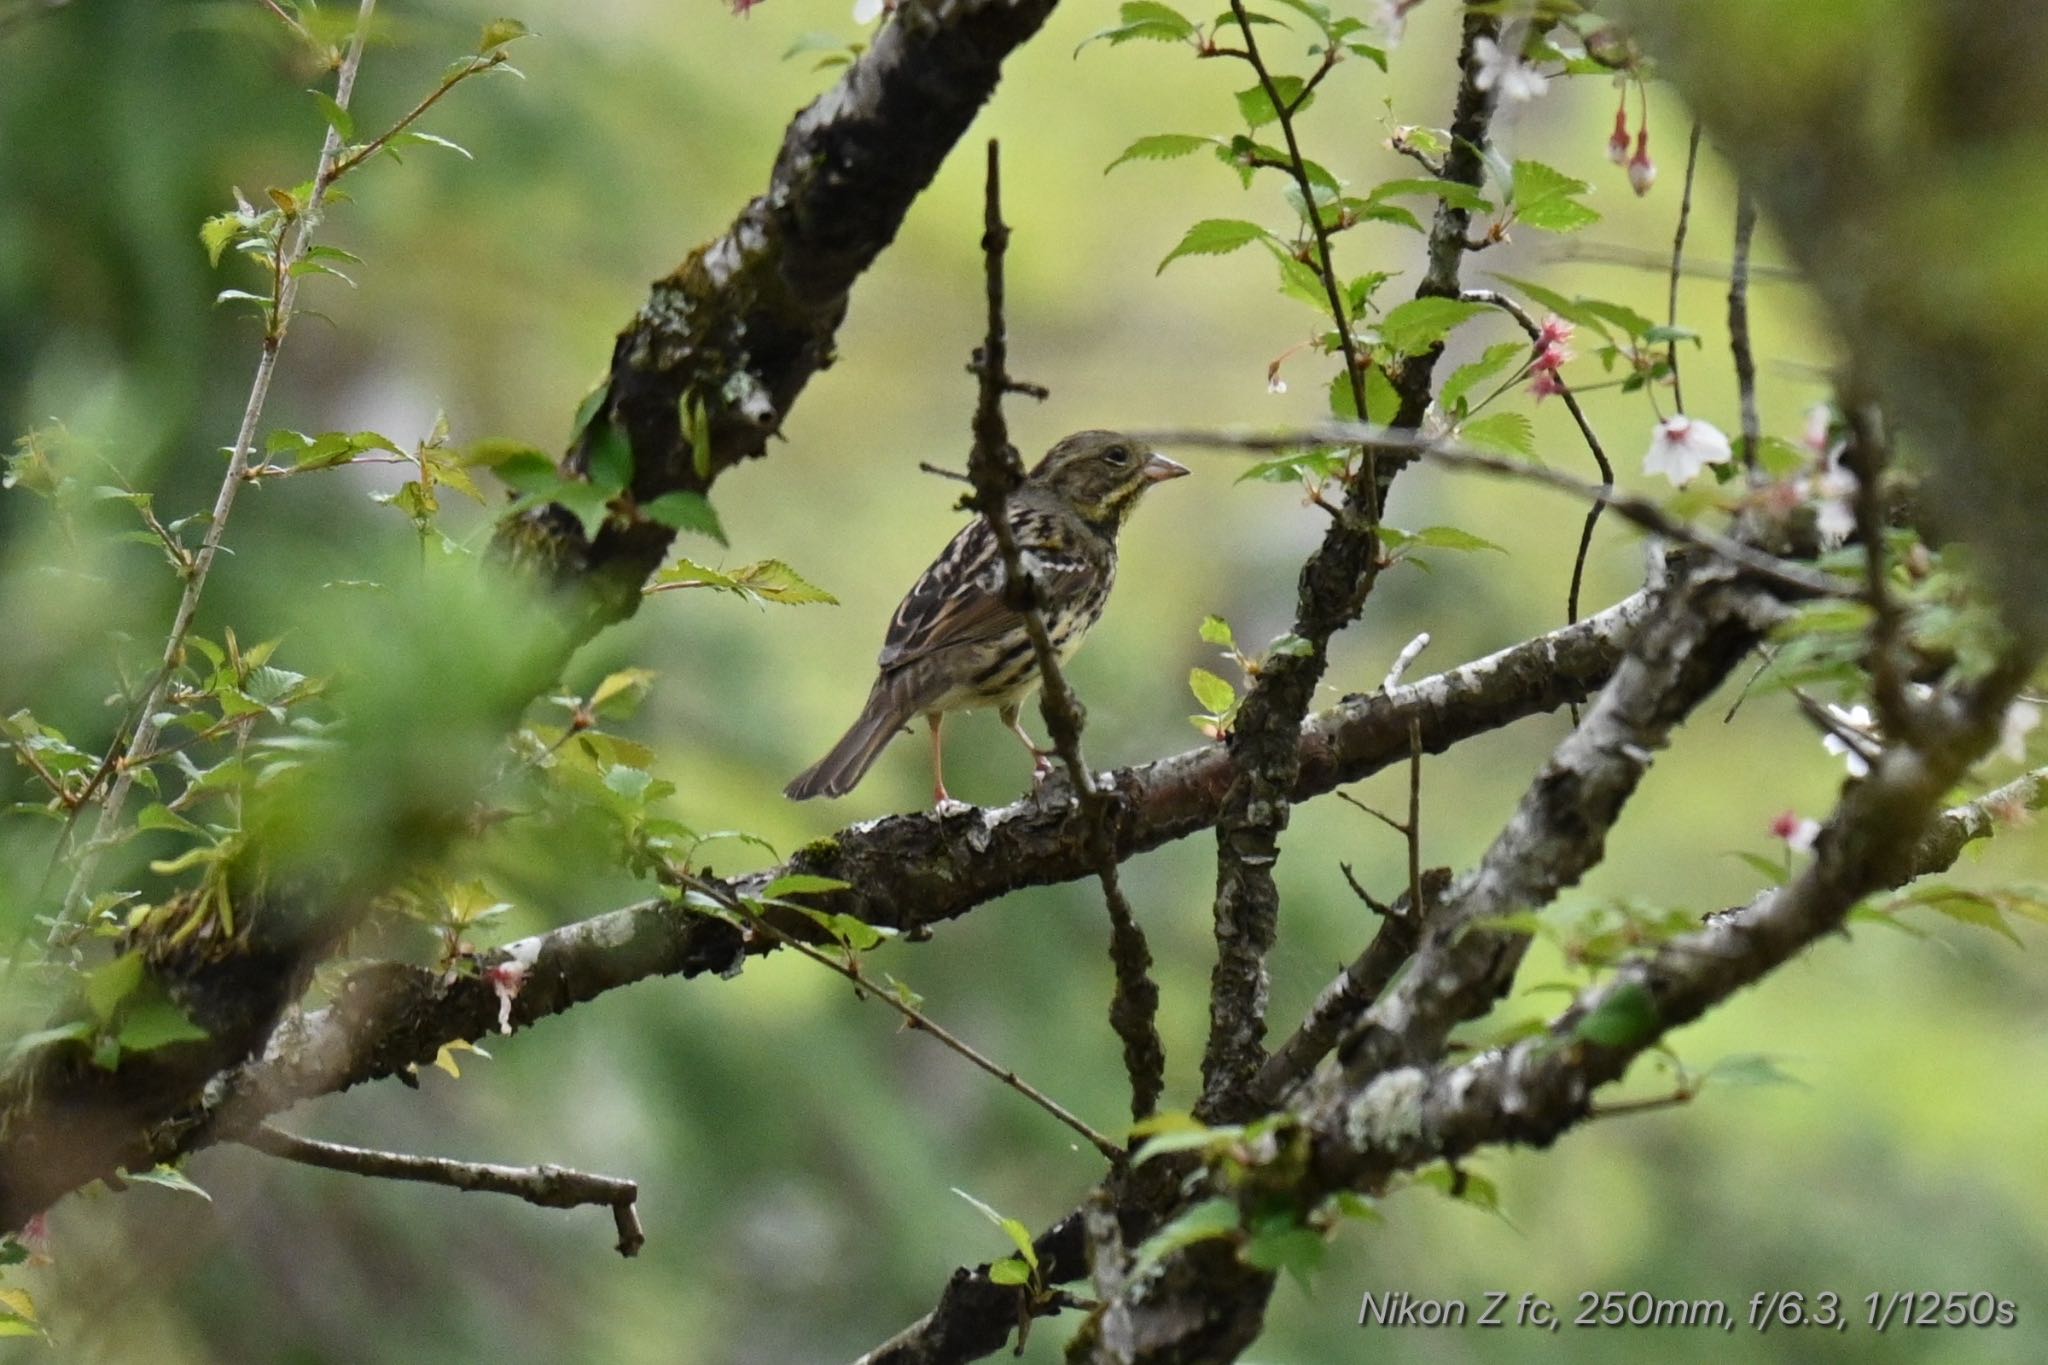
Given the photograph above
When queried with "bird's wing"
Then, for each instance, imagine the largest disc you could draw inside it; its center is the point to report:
(959, 599)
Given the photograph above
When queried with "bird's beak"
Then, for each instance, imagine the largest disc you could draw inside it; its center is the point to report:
(1158, 469)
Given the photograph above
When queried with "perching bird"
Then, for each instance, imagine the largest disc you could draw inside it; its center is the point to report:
(954, 645)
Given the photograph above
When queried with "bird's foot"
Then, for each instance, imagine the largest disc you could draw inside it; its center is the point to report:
(1041, 766)
(946, 805)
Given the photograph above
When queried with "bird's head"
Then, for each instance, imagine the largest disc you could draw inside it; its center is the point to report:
(1101, 475)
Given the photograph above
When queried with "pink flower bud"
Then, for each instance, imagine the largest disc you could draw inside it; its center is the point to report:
(1617, 145)
(1642, 172)
(1556, 332)
(1544, 383)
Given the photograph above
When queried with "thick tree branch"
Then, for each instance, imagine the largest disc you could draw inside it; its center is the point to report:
(1331, 593)
(907, 872)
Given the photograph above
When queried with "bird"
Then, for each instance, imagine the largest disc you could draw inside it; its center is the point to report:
(955, 644)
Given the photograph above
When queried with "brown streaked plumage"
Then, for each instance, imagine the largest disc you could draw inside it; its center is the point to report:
(954, 645)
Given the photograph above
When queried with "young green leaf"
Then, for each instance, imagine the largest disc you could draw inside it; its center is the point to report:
(1215, 237)
(1257, 107)
(1215, 695)
(338, 118)
(683, 510)
(1419, 324)
(1547, 198)
(1160, 147)
(1463, 379)
(1626, 1015)
(1216, 631)
(1504, 433)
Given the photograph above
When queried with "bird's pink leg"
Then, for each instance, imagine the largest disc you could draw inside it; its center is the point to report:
(935, 719)
(1041, 759)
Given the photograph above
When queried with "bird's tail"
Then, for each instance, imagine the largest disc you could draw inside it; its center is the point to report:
(838, 772)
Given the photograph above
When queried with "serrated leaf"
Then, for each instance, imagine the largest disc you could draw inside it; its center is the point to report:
(1546, 198)
(1503, 433)
(1159, 147)
(772, 580)
(1216, 695)
(683, 510)
(1625, 1015)
(1215, 237)
(1415, 326)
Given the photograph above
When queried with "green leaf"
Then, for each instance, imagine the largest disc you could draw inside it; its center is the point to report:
(610, 459)
(1299, 280)
(76, 1031)
(156, 1023)
(338, 118)
(587, 410)
(1215, 237)
(683, 510)
(1195, 1139)
(1290, 646)
(1626, 1015)
(1467, 376)
(802, 883)
(1145, 19)
(1503, 433)
(1456, 193)
(1571, 310)
(414, 137)
(1749, 1068)
(1215, 695)
(1019, 1235)
(622, 692)
(499, 32)
(771, 580)
(1318, 464)
(171, 1178)
(1622, 316)
(1547, 198)
(1781, 459)
(1283, 1244)
(1257, 107)
(1216, 631)
(1451, 538)
(1010, 1270)
(1773, 873)
(1419, 324)
(589, 504)
(108, 985)
(216, 232)
(1160, 147)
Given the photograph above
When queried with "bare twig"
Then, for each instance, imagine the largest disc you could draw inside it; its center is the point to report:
(548, 1187)
(144, 725)
(1692, 162)
(1571, 403)
(1410, 652)
(943, 472)
(994, 470)
(1636, 510)
(1738, 325)
(916, 1018)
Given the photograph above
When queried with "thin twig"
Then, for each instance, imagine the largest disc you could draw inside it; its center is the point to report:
(1410, 652)
(1326, 271)
(145, 726)
(1592, 439)
(943, 472)
(356, 157)
(1738, 325)
(917, 1019)
(1638, 511)
(547, 1187)
(994, 470)
(1414, 828)
(1692, 162)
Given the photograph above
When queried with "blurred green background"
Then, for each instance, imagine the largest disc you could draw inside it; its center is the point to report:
(796, 1151)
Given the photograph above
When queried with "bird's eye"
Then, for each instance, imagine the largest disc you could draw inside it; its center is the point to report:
(1118, 455)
